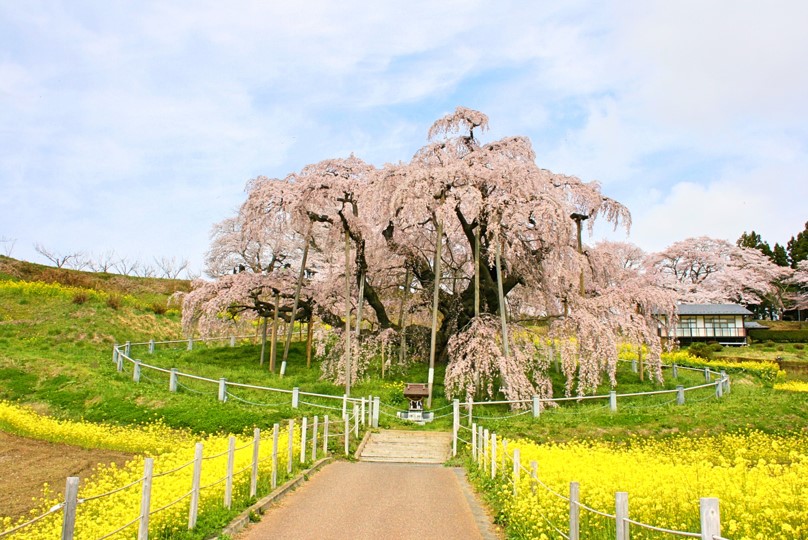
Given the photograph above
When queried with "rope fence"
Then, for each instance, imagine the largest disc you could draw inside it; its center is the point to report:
(299, 446)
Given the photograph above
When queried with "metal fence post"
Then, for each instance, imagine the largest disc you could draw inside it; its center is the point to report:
(303, 429)
(295, 397)
(151, 346)
(719, 388)
(136, 372)
(536, 407)
(127, 348)
(680, 395)
(356, 420)
(613, 401)
(222, 389)
(675, 371)
(69, 509)
(710, 518)
(145, 499)
(190, 344)
(707, 377)
(377, 403)
(363, 410)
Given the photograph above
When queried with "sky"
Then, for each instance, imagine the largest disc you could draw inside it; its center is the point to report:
(133, 127)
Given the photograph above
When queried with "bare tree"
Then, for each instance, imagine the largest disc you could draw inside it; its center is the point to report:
(7, 245)
(170, 267)
(61, 260)
(104, 262)
(125, 267)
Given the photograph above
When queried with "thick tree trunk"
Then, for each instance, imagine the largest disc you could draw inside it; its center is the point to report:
(308, 341)
(298, 286)
(273, 351)
(263, 341)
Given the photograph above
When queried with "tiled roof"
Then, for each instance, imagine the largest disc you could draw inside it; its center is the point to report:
(712, 309)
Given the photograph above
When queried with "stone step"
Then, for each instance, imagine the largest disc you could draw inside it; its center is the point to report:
(392, 446)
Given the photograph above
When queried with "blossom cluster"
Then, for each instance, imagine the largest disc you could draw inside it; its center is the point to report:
(172, 481)
(761, 481)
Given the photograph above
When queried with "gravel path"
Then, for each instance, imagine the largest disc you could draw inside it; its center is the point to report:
(377, 501)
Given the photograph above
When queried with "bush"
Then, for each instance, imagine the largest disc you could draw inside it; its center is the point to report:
(701, 350)
(799, 346)
(114, 301)
(80, 297)
(158, 308)
(780, 336)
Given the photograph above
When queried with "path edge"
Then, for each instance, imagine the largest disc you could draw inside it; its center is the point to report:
(241, 521)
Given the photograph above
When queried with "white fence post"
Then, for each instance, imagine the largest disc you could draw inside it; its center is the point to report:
(621, 513)
(115, 353)
(719, 388)
(474, 441)
(222, 389)
(69, 509)
(127, 349)
(613, 401)
(680, 395)
(291, 448)
(504, 454)
(275, 434)
(356, 420)
(145, 499)
(120, 363)
(256, 453)
(347, 434)
(486, 449)
(377, 403)
(314, 428)
(575, 511)
(634, 366)
(363, 410)
(481, 446)
(469, 408)
(707, 377)
(455, 424)
(232, 341)
(190, 344)
(228, 483)
(295, 397)
(283, 369)
(516, 471)
(303, 429)
(325, 435)
(344, 405)
(193, 511)
(136, 372)
(710, 518)
(536, 407)
(493, 455)
(675, 371)
(151, 346)
(534, 475)
(172, 380)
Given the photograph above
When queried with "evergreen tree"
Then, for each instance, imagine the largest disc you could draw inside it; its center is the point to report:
(780, 256)
(798, 247)
(753, 240)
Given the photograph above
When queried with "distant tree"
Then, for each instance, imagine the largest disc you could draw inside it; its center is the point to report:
(170, 267)
(780, 255)
(800, 280)
(60, 260)
(7, 245)
(103, 262)
(798, 247)
(710, 270)
(754, 241)
(126, 266)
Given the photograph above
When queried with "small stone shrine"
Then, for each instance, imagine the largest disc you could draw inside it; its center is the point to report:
(415, 393)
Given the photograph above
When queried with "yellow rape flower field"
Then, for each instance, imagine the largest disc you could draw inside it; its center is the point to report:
(106, 507)
(761, 481)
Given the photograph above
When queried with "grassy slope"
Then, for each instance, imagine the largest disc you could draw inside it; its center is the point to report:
(57, 354)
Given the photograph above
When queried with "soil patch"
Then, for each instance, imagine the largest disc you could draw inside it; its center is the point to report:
(29, 463)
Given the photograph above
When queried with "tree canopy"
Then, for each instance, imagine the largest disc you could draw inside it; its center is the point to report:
(507, 232)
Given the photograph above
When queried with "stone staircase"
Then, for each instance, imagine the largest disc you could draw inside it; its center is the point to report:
(393, 446)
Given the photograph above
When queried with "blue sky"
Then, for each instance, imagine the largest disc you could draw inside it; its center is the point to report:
(134, 126)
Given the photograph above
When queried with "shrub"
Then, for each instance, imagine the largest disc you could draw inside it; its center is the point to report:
(780, 336)
(114, 301)
(799, 346)
(80, 297)
(701, 350)
(158, 308)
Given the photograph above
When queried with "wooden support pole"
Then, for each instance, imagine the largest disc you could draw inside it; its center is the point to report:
(303, 429)
(255, 456)
(575, 511)
(193, 510)
(69, 509)
(621, 513)
(436, 266)
(710, 518)
(145, 499)
(228, 483)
